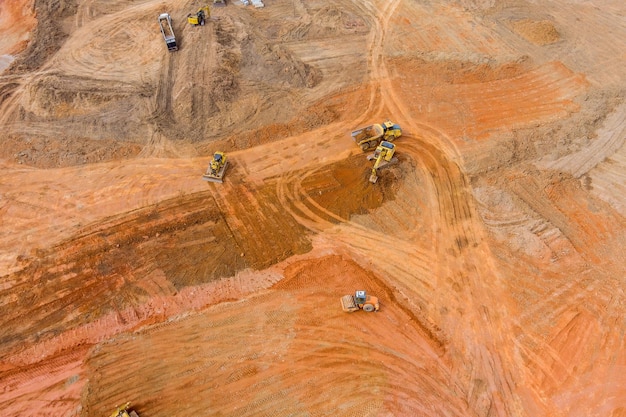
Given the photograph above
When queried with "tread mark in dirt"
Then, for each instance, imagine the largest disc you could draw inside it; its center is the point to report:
(163, 114)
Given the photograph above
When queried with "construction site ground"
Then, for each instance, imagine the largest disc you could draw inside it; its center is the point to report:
(495, 245)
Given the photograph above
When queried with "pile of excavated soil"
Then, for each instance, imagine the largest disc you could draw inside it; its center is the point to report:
(538, 32)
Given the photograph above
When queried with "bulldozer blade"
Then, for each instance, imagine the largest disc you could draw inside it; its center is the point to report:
(210, 178)
(219, 178)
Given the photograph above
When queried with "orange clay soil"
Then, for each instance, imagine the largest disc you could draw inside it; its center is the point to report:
(494, 244)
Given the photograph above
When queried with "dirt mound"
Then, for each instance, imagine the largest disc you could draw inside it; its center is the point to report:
(344, 189)
(15, 36)
(48, 36)
(540, 32)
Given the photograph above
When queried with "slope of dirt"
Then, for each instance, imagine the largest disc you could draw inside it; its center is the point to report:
(17, 21)
(494, 244)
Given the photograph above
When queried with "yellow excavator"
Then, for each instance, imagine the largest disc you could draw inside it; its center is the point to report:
(124, 411)
(383, 155)
(217, 167)
(199, 17)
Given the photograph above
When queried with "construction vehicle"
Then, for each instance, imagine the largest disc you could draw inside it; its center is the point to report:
(219, 3)
(217, 167)
(370, 136)
(124, 411)
(384, 156)
(198, 18)
(165, 22)
(359, 301)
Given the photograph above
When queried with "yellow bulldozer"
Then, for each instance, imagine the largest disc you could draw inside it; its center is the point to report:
(198, 18)
(359, 301)
(124, 411)
(384, 156)
(217, 167)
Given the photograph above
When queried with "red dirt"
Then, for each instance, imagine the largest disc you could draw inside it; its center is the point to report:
(494, 244)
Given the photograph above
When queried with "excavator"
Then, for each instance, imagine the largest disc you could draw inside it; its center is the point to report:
(124, 411)
(359, 301)
(217, 167)
(383, 156)
(199, 17)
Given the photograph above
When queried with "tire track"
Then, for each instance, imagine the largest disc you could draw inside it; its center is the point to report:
(462, 232)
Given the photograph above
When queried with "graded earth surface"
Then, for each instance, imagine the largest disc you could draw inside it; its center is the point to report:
(495, 244)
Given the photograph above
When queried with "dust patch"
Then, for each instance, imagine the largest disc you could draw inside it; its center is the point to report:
(42, 152)
(428, 72)
(328, 110)
(273, 63)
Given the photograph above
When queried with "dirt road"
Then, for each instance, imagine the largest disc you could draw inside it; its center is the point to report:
(494, 244)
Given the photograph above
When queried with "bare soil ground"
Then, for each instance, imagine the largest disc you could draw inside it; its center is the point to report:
(495, 244)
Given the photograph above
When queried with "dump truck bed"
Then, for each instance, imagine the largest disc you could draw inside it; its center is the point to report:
(165, 22)
(366, 133)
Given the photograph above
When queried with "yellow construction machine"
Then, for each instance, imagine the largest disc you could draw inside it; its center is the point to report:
(370, 136)
(383, 155)
(359, 301)
(199, 17)
(124, 411)
(217, 167)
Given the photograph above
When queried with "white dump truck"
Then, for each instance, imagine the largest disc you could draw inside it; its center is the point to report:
(165, 22)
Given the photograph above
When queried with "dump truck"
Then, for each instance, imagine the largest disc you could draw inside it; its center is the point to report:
(124, 411)
(370, 136)
(198, 18)
(384, 156)
(359, 301)
(165, 22)
(217, 167)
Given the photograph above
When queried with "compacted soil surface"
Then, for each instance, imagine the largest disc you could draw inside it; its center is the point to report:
(495, 244)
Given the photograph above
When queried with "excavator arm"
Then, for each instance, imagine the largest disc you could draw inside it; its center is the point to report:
(379, 160)
(383, 156)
